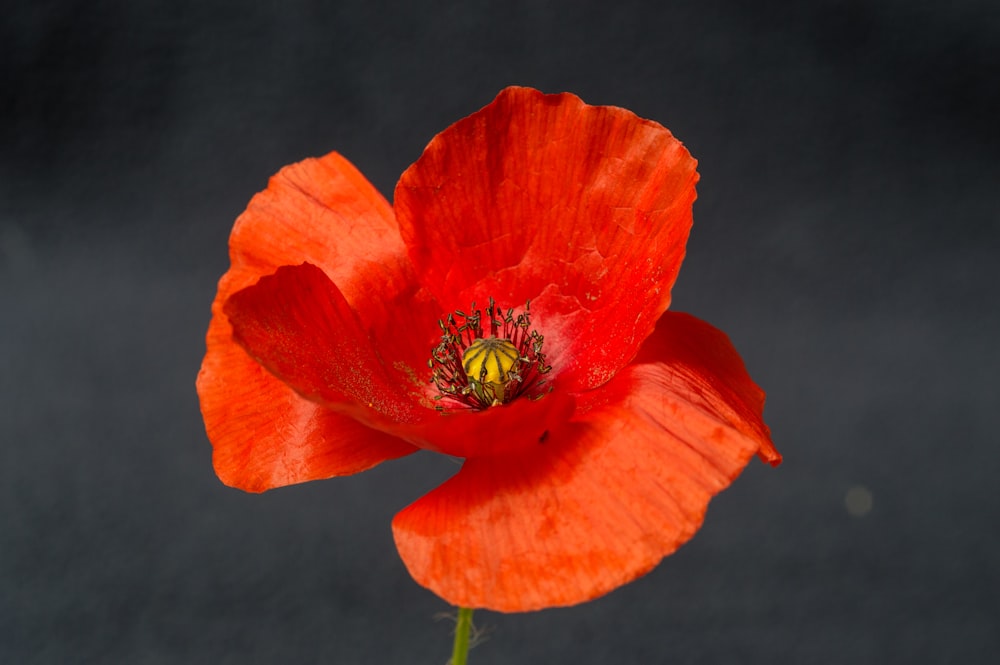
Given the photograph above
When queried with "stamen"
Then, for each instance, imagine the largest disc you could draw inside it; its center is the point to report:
(473, 370)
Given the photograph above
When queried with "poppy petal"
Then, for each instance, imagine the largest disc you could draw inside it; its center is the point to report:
(264, 434)
(584, 210)
(320, 211)
(298, 325)
(324, 212)
(601, 500)
(706, 354)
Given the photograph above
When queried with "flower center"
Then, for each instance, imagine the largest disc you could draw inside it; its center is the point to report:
(473, 369)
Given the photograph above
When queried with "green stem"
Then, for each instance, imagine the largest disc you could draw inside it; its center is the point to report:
(460, 652)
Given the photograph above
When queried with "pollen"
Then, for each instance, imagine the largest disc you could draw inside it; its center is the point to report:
(485, 361)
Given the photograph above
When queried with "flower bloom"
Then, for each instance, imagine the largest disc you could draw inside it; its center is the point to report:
(509, 308)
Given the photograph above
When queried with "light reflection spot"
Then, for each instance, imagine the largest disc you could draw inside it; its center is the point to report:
(858, 501)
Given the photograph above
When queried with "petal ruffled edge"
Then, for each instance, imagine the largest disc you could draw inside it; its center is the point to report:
(584, 210)
(604, 498)
(321, 211)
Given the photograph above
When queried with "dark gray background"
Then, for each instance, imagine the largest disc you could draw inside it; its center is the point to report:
(846, 237)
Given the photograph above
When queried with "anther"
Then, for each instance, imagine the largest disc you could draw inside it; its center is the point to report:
(478, 370)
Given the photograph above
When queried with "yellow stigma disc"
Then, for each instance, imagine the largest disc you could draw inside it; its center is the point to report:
(488, 362)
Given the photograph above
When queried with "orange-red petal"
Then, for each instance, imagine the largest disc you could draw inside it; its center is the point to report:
(320, 211)
(720, 385)
(324, 212)
(601, 500)
(298, 325)
(585, 210)
(264, 434)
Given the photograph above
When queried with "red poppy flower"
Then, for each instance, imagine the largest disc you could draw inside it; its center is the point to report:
(595, 426)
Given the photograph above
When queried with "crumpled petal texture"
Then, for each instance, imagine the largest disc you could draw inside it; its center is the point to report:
(584, 210)
(316, 362)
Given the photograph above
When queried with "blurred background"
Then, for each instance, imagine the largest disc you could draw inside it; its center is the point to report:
(846, 237)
